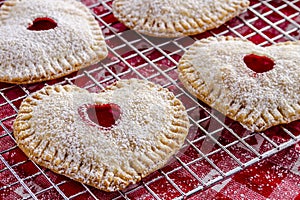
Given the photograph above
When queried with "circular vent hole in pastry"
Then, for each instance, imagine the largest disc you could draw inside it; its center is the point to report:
(42, 24)
(259, 64)
(104, 115)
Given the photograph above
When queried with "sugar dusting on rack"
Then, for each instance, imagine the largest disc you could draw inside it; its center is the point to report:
(217, 149)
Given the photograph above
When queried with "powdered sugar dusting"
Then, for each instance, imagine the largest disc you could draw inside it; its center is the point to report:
(257, 100)
(151, 128)
(173, 18)
(30, 56)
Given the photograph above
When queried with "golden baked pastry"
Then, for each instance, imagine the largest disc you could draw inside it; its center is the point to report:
(47, 39)
(107, 140)
(257, 86)
(174, 18)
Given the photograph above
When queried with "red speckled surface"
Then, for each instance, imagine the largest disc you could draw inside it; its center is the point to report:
(210, 151)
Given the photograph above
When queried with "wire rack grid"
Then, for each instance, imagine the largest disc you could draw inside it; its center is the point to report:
(216, 146)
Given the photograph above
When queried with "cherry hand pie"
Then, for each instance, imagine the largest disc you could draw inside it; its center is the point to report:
(107, 140)
(47, 39)
(257, 86)
(175, 18)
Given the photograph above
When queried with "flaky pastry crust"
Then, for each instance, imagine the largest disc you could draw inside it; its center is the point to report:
(214, 71)
(29, 56)
(175, 18)
(152, 127)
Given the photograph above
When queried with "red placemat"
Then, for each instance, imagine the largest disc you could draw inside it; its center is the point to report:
(220, 159)
(275, 178)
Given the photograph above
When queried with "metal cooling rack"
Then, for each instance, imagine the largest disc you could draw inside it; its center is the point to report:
(216, 147)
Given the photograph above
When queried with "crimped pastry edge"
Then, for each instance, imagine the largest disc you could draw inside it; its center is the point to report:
(174, 28)
(196, 86)
(180, 130)
(96, 51)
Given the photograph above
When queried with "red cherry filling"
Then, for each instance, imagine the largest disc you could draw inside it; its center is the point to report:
(259, 64)
(42, 24)
(104, 115)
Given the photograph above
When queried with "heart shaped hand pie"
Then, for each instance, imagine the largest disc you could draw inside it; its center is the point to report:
(108, 140)
(257, 86)
(174, 18)
(46, 39)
